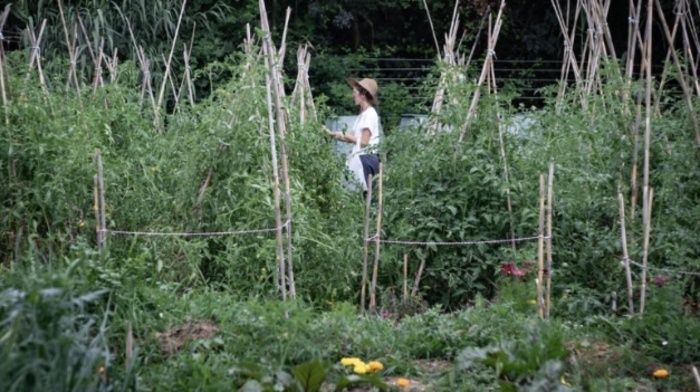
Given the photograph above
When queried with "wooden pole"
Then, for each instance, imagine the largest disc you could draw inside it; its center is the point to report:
(647, 141)
(489, 58)
(166, 74)
(681, 76)
(5, 102)
(432, 28)
(696, 375)
(377, 241)
(416, 282)
(548, 243)
(280, 280)
(625, 255)
(100, 198)
(365, 245)
(72, 55)
(540, 252)
(277, 94)
(649, 198)
(405, 278)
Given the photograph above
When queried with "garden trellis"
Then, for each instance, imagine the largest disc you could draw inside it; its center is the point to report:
(584, 56)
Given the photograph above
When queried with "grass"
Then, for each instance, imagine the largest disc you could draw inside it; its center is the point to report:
(57, 329)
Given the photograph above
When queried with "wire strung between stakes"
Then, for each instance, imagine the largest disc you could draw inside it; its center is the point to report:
(193, 234)
(455, 243)
(665, 269)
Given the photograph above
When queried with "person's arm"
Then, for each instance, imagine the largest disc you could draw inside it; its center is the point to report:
(348, 138)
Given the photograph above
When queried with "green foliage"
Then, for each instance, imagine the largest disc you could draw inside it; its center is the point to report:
(533, 363)
(53, 333)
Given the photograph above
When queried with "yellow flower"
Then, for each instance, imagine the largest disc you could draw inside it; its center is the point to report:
(403, 382)
(360, 368)
(661, 373)
(350, 361)
(375, 366)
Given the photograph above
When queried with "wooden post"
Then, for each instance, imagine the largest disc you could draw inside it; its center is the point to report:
(696, 375)
(281, 285)
(72, 55)
(416, 282)
(100, 202)
(489, 58)
(405, 278)
(647, 141)
(129, 349)
(5, 102)
(548, 243)
(277, 95)
(377, 241)
(540, 252)
(365, 244)
(681, 76)
(166, 74)
(625, 255)
(649, 198)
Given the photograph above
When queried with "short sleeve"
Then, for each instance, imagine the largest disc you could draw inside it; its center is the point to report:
(369, 119)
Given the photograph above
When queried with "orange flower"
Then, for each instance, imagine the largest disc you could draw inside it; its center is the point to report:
(403, 382)
(375, 366)
(661, 373)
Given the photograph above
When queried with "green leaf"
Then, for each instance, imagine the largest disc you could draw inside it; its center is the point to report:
(355, 380)
(311, 375)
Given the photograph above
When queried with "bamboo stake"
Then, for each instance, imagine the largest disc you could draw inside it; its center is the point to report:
(664, 74)
(540, 252)
(365, 244)
(504, 158)
(97, 79)
(5, 102)
(278, 92)
(166, 74)
(129, 349)
(548, 243)
(489, 58)
(689, 54)
(377, 241)
(681, 76)
(432, 28)
(649, 197)
(405, 278)
(647, 129)
(100, 189)
(280, 279)
(73, 73)
(625, 255)
(416, 282)
(35, 56)
(696, 375)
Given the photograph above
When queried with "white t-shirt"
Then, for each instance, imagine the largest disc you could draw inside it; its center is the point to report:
(367, 119)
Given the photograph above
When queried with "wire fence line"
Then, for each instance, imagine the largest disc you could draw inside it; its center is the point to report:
(376, 238)
(675, 271)
(194, 234)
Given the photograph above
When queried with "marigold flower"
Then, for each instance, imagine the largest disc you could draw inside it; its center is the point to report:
(661, 373)
(375, 366)
(360, 368)
(350, 361)
(403, 382)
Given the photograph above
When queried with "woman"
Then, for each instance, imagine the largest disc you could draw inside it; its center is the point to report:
(363, 160)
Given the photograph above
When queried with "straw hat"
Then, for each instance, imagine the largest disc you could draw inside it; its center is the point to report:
(368, 85)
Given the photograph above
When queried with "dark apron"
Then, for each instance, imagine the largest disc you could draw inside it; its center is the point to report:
(370, 165)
